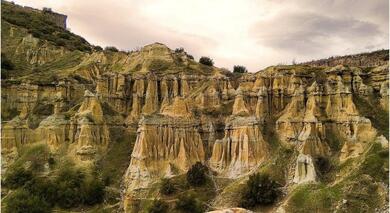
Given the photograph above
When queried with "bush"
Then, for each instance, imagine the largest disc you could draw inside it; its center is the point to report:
(98, 48)
(167, 187)
(188, 203)
(322, 164)
(6, 64)
(190, 56)
(21, 201)
(111, 48)
(17, 177)
(196, 175)
(68, 185)
(93, 191)
(158, 65)
(239, 69)
(206, 61)
(179, 50)
(259, 190)
(43, 188)
(158, 206)
(40, 27)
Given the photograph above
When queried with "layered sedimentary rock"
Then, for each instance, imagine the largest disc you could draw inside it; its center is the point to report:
(243, 147)
(89, 133)
(304, 170)
(167, 144)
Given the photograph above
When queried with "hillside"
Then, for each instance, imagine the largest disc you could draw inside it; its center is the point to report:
(92, 130)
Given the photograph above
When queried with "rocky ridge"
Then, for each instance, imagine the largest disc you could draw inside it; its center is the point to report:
(184, 112)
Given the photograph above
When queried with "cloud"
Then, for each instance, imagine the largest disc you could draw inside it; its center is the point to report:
(308, 33)
(253, 33)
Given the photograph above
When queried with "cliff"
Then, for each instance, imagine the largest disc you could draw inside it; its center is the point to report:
(283, 120)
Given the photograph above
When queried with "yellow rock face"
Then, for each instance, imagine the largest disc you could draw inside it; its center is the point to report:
(167, 144)
(90, 134)
(242, 149)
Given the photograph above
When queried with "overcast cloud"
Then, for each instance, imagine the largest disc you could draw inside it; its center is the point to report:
(253, 33)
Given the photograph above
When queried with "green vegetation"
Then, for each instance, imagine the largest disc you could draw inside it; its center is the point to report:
(117, 159)
(179, 50)
(158, 206)
(35, 156)
(17, 177)
(206, 61)
(167, 187)
(239, 69)
(21, 201)
(158, 65)
(40, 27)
(111, 49)
(313, 198)
(8, 114)
(376, 163)
(189, 203)
(6, 66)
(322, 165)
(70, 188)
(371, 109)
(362, 195)
(196, 175)
(260, 190)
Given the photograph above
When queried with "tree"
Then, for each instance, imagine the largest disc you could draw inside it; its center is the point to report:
(93, 191)
(21, 201)
(6, 64)
(17, 177)
(98, 48)
(179, 50)
(167, 187)
(239, 69)
(196, 175)
(206, 61)
(322, 164)
(111, 48)
(188, 203)
(260, 189)
(158, 206)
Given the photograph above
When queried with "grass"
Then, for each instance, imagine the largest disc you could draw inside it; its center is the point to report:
(41, 27)
(371, 109)
(117, 159)
(314, 198)
(35, 155)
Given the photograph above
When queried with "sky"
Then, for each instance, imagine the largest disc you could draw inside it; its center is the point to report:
(253, 33)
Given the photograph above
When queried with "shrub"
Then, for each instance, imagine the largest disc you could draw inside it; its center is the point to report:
(21, 201)
(43, 188)
(167, 187)
(111, 48)
(188, 203)
(6, 64)
(196, 175)
(322, 164)
(158, 65)
(93, 191)
(17, 177)
(179, 50)
(239, 69)
(206, 61)
(40, 27)
(68, 185)
(190, 56)
(98, 48)
(158, 206)
(259, 190)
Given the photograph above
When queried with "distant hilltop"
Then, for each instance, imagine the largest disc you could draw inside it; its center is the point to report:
(57, 18)
(371, 59)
